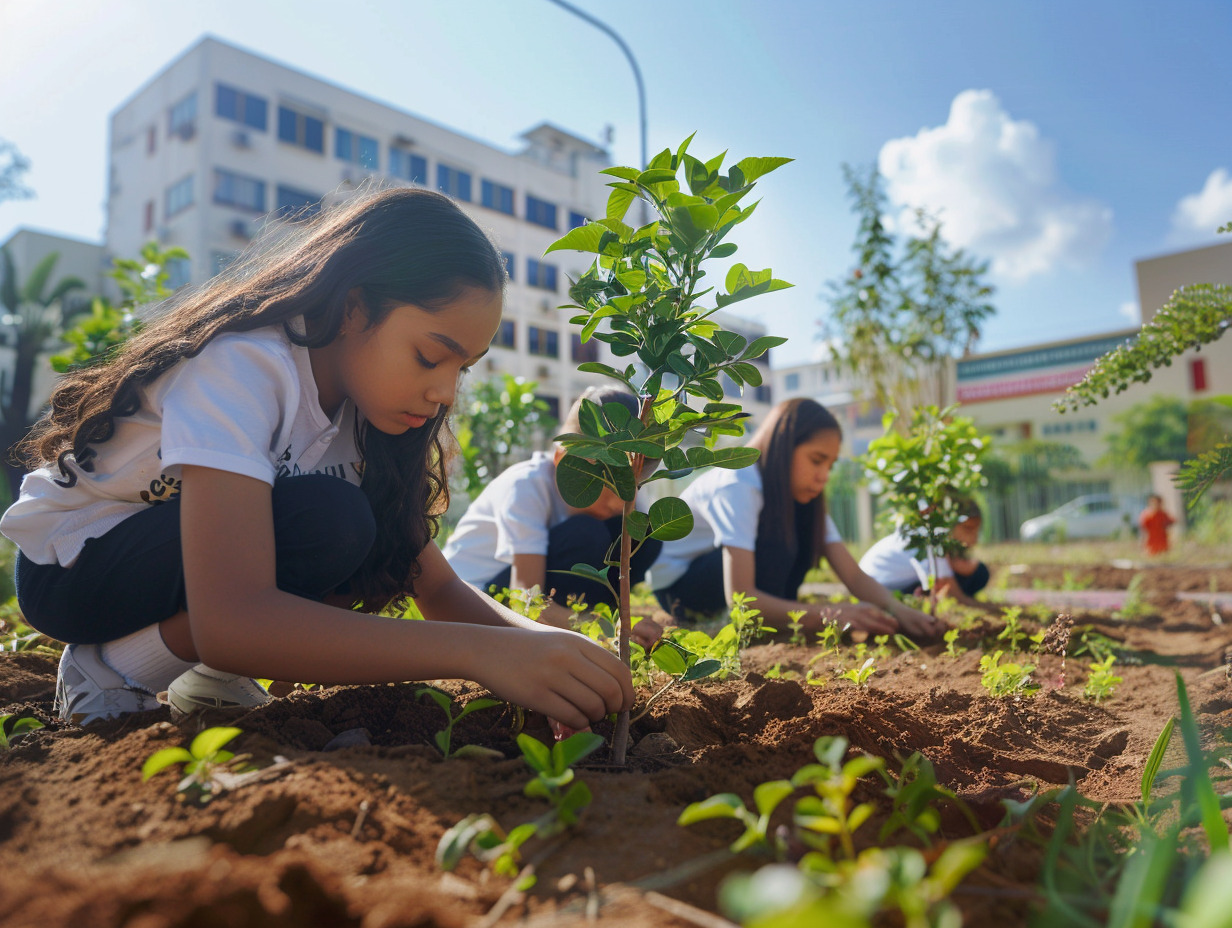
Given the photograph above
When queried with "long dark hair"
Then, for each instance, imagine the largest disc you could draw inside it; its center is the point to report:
(789, 533)
(393, 245)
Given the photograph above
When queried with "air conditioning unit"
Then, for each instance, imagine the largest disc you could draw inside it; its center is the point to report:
(403, 141)
(241, 139)
(239, 229)
(543, 371)
(546, 305)
(186, 130)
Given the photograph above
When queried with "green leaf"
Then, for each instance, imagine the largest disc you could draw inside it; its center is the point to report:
(211, 741)
(767, 796)
(160, 760)
(1155, 760)
(584, 238)
(619, 201)
(701, 670)
(723, 805)
(624, 173)
(670, 519)
(637, 523)
(580, 481)
(670, 657)
(483, 702)
(725, 250)
(438, 697)
(536, 753)
(578, 798)
(749, 373)
(753, 168)
(457, 840)
(735, 458)
(577, 746)
(761, 345)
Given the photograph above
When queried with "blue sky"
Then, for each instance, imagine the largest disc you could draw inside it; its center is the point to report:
(1061, 141)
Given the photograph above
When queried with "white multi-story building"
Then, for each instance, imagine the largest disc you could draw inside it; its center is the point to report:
(223, 142)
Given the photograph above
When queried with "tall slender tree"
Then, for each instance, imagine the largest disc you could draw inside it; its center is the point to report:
(899, 317)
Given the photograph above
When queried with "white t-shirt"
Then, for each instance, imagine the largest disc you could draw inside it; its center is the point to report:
(512, 515)
(726, 507)
(894, 565)
(246, 404)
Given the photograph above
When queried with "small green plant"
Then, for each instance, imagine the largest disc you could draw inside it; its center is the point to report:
(830, 638)
(952, 647)
(794, 623)
(1002, 680)
(1012, 634)
(1136, 606)
(681, 665)
(205, 763)
(860, 675)
(829, 812)
(555, 781)
(444, 737)
(881, 647)
(1102, 681)
(915, 792)
(495, 424)
(748, 621)
(12, 728)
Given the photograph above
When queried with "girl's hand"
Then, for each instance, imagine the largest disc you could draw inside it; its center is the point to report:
(562, 674)
(863, 616)
(917, 624)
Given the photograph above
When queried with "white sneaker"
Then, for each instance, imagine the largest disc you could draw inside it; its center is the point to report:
(87, 690)
(202, 687)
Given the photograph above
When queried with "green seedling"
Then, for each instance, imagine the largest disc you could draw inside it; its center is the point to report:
(747, 620)
(644, 296)
(952, 647)
(1003, 680)
(1136, 607)
(1096, 645)
(829, 812)
(778, 673)
(794, 623)
(881, 647)
(681, 665)
(1012, 634)
(444, 737)
(554, 780)
(205, 762)
(915, 793)
(860, 675)
(1102, 681)
(766, 798)
(12, 728)
(830, 638)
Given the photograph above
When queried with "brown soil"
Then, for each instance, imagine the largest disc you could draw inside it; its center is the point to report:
(347, 837)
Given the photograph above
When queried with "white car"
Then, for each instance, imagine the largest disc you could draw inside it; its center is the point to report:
(1098, 515)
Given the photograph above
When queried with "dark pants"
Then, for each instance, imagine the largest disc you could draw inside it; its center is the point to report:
(583, 539)
(970, 583)
(133, 576)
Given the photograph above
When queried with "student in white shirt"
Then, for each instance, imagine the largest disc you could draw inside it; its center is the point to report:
(185, 528)
(519, 533)
(760, 529)
(893, 564)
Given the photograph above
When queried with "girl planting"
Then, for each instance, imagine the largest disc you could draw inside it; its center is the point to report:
(759, 530)
(207, 503)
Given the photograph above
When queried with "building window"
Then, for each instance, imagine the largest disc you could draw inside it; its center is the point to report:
(300, 129)
(576, 219)
(543, 342)
(355, 148)
(148, 224)
(296, 204)
(791, 382)
(453, 182)
(762, 393)
(583, 351)
(179, 197)
(507, 335)
(179, 272)
(1197, 375)
(509, 259)
(540, 274)
(182, 117)
(496, 196)
(238, 106)
(553, 403)
(540, 212)
(407, 166)
(238, 190)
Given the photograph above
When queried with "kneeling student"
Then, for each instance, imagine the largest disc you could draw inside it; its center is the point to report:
(519, 530)
(893, 564)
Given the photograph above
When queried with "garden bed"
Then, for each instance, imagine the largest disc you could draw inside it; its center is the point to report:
(348, 836)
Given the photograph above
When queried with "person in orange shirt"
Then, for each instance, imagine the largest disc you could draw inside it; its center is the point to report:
(1155, 521)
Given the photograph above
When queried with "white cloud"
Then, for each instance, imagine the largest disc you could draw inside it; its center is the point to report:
(1129, 310)
(1198, 215)
(992, 181)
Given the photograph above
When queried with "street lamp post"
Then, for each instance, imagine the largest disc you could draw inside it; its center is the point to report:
(637, 72)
